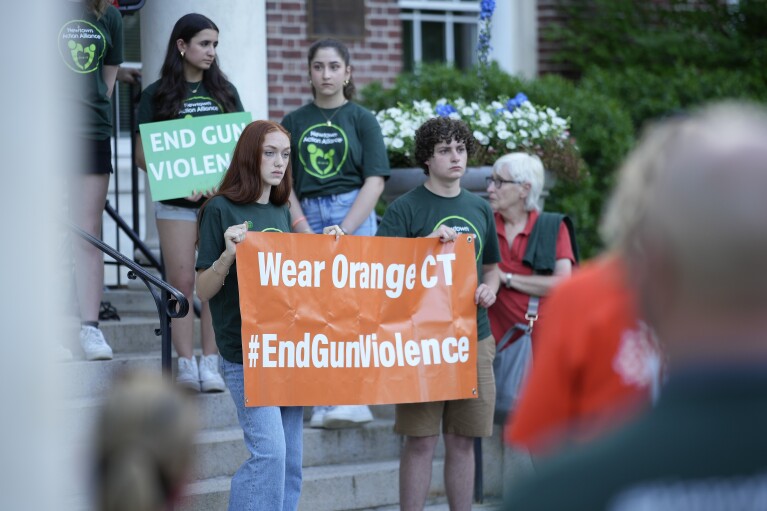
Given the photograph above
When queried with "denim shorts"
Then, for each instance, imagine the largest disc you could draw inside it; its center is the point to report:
(330, 210)
(167, 212)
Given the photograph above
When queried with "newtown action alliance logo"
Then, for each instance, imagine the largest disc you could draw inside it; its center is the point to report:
(322, 150)
(81, 45)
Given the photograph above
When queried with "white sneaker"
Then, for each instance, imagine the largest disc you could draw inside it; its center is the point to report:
(94, 345)
(348, 416)
(210, 380)
(318, 416)
(188, 376)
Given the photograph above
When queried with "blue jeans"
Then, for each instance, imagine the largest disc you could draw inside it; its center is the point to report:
(271, 478)
(328, 210)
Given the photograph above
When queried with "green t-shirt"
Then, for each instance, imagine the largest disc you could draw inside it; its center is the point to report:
(196, 104)
(86, 45)
(420, 212)
(328, 160)
(217, 216)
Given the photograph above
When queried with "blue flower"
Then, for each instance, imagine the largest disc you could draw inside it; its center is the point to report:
(516, 101)
(445, 110)
(486, 9)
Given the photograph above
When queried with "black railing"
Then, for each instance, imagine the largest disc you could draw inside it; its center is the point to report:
(170, 302)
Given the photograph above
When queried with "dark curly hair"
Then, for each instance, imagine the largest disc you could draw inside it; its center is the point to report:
(441, 129)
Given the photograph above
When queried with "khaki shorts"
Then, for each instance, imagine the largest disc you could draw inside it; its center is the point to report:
(466, 417)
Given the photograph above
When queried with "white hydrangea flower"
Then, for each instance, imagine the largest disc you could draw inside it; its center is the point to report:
(492, 124)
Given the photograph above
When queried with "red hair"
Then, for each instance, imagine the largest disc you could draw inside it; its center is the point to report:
(242, 183)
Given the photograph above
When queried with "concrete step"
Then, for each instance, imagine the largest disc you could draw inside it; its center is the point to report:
(326, 488)
(220, 452)
(441, 505)
(132, 299)
(216, 411)
(93, 378)
(373, 441)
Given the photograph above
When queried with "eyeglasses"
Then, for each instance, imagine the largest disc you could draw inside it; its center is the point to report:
(498, 182)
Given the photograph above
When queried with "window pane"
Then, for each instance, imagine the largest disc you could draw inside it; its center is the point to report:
(465, 45)
(433, 37)
(408, 59)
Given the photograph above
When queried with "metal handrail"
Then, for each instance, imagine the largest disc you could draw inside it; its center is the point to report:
(170, 302)
(137, 242)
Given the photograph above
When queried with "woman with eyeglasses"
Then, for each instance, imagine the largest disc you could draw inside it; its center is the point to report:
(537, 251)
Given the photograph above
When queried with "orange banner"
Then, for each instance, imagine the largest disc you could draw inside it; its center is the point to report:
(358, 320)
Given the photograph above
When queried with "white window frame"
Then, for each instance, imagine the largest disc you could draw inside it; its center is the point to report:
(456, 11)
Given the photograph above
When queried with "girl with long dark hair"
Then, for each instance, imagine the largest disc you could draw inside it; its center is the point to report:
(190, 84)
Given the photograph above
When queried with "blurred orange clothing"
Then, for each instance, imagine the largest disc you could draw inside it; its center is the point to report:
(593, 361)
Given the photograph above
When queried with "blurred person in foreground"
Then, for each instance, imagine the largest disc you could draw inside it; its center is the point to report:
(697, 263)
(596, 362)
(144, 444)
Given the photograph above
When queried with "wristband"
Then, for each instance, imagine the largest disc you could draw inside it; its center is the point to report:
(508, 280)
(213, 267)
(297, 221)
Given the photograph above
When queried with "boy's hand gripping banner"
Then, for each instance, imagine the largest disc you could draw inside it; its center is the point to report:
(358, 320)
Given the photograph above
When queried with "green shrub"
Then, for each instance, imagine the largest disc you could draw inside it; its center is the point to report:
(658, 36)
(646, 95)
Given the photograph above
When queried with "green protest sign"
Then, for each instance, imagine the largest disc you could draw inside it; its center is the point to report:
(190, 154)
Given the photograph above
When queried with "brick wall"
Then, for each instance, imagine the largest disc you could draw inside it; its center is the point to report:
(376, 57)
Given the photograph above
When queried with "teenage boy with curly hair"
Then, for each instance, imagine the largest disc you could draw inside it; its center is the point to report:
(440, 208)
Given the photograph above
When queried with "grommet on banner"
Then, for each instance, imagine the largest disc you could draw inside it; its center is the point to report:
(470, 239)
(474, 391)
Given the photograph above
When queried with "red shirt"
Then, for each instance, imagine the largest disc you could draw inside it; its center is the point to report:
(511, 305)
(593, 365)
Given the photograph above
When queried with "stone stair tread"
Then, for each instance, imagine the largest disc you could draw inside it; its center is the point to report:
(205, 486)
(352, 469)
(441, 505)
(325, 488)
(119, 358)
